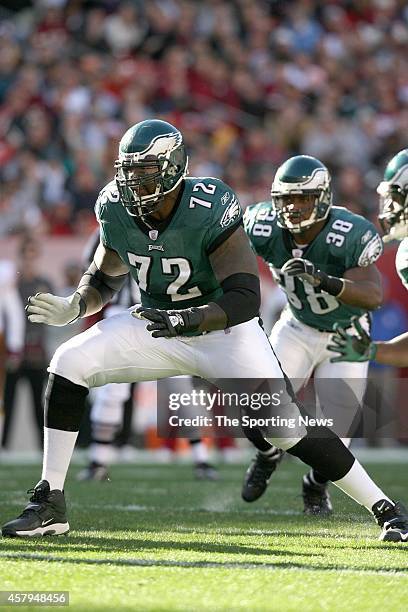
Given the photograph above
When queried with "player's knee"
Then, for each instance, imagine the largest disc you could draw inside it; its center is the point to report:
(66, 363)
(284, 443)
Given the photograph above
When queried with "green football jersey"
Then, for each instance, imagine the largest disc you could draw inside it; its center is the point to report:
(346, 241)
(170, 261)
(401, 262)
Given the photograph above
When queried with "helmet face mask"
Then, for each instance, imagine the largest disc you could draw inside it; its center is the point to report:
(393, 215)
(297, 211)
(393, 192)
(152, 163)
(301, 193)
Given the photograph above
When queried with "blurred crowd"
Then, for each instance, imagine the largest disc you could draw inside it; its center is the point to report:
(249, 83)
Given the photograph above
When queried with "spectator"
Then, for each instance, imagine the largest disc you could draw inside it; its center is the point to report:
(34, 358)
(249, 83)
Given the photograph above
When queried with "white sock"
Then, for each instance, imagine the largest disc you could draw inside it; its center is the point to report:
(359, 486)
(104, 454)
(58, 449)
(199, 452)
(271, 453)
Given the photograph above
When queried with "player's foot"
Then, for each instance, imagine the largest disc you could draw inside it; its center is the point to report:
(94, 471)
(258, 475)
(316, 498)
(44, 515)
(393, 518)
(205, 471)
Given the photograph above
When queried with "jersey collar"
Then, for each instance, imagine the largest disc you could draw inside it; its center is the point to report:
(160, 226)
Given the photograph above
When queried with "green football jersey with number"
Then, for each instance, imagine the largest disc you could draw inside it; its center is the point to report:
(401, 262)
(170, 261)
(346, 241)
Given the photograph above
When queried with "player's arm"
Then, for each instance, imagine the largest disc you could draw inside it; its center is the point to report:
(362, 288)
(359, 287)
(236, 269)
(105, 275)
(357, 346)
(394, 352)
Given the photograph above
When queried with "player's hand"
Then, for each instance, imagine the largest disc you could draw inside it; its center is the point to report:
(302, 268)
(170, 323)
(350, 347)
(53, 310)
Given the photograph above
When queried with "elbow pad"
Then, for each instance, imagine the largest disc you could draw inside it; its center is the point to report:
(105, 284)
(242, 298)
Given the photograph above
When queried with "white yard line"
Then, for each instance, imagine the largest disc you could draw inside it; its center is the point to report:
(289, 566)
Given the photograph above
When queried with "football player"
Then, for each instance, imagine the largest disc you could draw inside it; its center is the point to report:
(393, 217)
(182, 239)
(108, 402)
(106, 413)
(12, 325)
(323, 256)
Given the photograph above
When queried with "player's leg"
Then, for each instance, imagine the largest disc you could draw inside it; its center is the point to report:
(203, 469)
(106, 418)
(340, 392)
(321, 449)
(36, 378)
(294, 350)
(118, 349)
(299, 348)
(12, 378)
(2, 375)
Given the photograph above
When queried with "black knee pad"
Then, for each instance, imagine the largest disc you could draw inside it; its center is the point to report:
(64, 404)
(325, 452)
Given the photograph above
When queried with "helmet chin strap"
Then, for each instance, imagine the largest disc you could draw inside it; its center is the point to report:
(298, 228)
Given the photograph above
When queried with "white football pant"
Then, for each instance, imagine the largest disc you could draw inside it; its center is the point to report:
(120, 349)
(302, 351)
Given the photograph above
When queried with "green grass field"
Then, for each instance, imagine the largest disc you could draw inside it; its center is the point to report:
(155, 539)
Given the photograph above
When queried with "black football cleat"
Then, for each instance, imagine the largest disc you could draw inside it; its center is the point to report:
(44, 515)
(205, 471)
(316, 499)
(258, 475)
(393, 518)
(94, 471)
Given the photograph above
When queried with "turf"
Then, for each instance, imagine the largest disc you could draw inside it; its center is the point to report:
(155, 539)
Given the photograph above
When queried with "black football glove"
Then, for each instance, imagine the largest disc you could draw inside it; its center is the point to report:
(304, 269)
(170, 323)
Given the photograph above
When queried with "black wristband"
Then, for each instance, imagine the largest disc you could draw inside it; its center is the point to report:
(193, 317)
(330, 284)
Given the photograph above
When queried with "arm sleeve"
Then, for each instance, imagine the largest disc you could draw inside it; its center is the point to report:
(242, 298)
